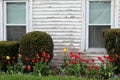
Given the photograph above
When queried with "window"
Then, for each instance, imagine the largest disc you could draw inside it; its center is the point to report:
(15, 20)
(99, 12)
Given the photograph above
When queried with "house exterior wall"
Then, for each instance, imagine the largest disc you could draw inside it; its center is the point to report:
(65, 21)
(62, 19)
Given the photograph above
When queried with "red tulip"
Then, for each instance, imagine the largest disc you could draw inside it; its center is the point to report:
(106, 56)
(33, 60)
(42, 59)
(46, 60)
(37, 55)
(87, 61)
(92, 60)
(99, 58)
(80, 60)
(9, 62)
(111, 60)
(71, 55)
(74, 62)
(48, 56)
(79, 53)
(14, 57)
(43, 54)
(97, 67)
(102, 61)
(28, 67)
(26, 59)
(37, 60)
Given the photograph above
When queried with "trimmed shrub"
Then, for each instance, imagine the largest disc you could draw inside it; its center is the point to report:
(112, 44)
(36, 42)
(7, 48)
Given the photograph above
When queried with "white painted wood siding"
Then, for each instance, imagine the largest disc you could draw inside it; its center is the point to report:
(118, 12)
(62, 19)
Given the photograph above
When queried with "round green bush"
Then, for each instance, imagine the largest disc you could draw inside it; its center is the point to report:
(112, 45)
(36, 42)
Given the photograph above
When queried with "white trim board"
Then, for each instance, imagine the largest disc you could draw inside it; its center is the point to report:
(1, 21)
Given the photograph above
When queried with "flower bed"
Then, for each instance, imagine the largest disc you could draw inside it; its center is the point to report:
(74, 64)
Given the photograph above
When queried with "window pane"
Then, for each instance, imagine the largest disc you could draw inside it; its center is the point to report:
(96, 36)
(99, 12)
(16, 13)
(14, 33)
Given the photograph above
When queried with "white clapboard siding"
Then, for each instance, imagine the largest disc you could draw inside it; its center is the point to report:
(62, 19)
(118, 13)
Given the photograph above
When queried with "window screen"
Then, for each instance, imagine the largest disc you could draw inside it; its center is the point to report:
(16, 13)
(15, 32)
(96, 36)
(99, 12)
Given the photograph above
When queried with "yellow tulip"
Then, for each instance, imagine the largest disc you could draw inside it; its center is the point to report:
(65, 50)
(8, 57)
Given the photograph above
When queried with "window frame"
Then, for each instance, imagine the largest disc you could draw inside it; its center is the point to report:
(5, 17)
(87, 22)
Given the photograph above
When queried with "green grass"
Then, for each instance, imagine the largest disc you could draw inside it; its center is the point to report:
(31, 77)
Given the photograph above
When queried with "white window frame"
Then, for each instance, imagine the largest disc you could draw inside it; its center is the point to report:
(5, 17)
(87, 23)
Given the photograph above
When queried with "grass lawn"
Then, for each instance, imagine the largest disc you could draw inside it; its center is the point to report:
(31, 77)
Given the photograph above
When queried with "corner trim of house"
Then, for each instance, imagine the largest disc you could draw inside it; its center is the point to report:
(83, 42)
(30, 16)
(1, 21)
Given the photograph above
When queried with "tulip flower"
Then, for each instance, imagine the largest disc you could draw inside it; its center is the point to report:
(79, 53)
(64, 50)
(20, 55)
(46, 60)
(14, 57)
(8, 57)
(87, 61)
(92, 60)
(33, 60)
(73, 62)
(37, 55)
(37, 60)
(26, 59)
(80, 60)
(28, 67)
(43, 54)
(48, 56)
(42, 59)
(9, 62)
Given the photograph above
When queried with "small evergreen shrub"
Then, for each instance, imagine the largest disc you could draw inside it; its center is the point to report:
(36, 42)
(7, 48)
(112, 44)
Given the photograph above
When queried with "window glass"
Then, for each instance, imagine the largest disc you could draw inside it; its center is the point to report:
(96, 36)
(99, 12)
(16, 13)
(14, 33)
